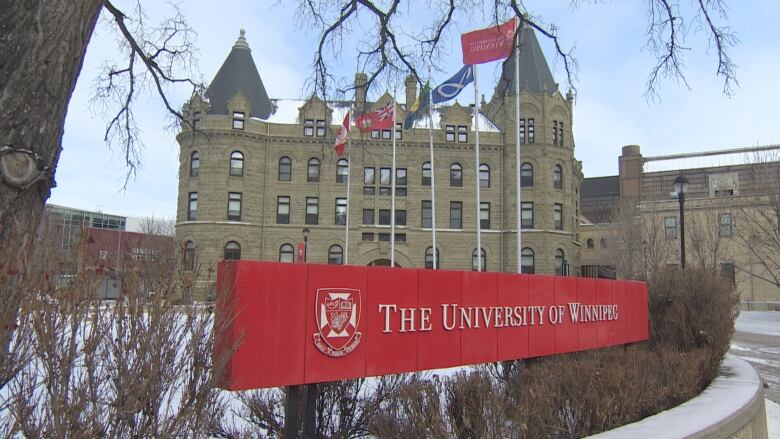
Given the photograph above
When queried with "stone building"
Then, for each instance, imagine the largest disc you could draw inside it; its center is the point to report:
(631, 221)
(254, 172)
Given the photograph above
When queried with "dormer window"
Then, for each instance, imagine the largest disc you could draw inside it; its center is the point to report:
(450, 133)
(320, 128)
(375, 134)
(399, 131)
(196, 120)
(463, 133)
(238, 120)
(308, 127)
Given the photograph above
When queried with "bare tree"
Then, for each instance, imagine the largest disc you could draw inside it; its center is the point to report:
(152, 225)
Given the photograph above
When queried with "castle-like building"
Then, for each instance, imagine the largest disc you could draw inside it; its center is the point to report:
(255, 172)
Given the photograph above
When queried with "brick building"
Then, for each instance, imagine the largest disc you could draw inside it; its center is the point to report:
(254, 172)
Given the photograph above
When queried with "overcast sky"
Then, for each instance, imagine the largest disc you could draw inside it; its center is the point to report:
(610, 111)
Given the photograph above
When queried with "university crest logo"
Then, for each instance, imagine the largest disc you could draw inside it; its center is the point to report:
(337, 312)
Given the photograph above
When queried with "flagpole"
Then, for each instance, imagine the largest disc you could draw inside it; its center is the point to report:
(433, 175)
(349, 172)
(392, 192)
(517, 151)
(476, 148)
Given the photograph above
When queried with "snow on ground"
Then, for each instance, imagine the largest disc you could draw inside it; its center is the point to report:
(773, 418)
(759, 322)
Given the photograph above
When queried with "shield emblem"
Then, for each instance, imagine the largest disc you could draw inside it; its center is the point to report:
(337, 313)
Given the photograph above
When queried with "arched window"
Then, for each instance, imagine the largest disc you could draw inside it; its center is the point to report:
(232, 251)
(342, 170)
(560, 262)
(429, 258)
(589, 243)
(426, 174)
(558, 177)
(194, 164)
(603, 243)
(286, 253)
(527, 261)
(189, 255)
(474, 260)
(335, 255)
(285, 169)
(526, 175)
(313, 171)
(236, 164)
(456, 175)
(484, 175)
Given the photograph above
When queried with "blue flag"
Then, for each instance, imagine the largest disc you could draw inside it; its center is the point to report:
(451, 87)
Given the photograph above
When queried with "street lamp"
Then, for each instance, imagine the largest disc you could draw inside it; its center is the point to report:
(305, 242)
(680, 188)
(310, 404)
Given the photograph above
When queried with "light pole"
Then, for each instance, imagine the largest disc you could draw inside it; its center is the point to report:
(305, 242)
(309, 411)
(680, 188)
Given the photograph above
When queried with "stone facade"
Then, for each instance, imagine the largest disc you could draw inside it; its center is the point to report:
(294, 131)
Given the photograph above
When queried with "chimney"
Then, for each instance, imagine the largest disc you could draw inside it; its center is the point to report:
(360, 92)
(411, 91)
(630, 169)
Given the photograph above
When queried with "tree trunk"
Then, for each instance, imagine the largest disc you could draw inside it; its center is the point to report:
(42, 47)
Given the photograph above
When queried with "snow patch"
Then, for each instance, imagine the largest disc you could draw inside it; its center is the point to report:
(773, 418)
(759, 322)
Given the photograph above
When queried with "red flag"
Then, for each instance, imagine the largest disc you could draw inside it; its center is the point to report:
(381, 119)
(489, 44)
(341, 138)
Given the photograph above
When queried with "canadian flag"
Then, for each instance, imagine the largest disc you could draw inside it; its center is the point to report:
(341, 138)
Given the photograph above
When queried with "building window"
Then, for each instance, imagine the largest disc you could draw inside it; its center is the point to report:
(670, 227)
(449, 132)
(238, 120)
(335, 255)
(369, 178)
(196, 120)
(375, 134)
(463, 133)
(282, 210)
(603, 243)
(308, 127)
(312, 210)
(400, 237)
(368, 216)
(474, 260)
(729, 272)
(384, 237)
(385, 134)
(558, 177)
(189, 256)
(560, 261)
(194, 164)
(527, 261)
(234, 206)
(399, 131)
(384, 217)
(725, 225)
(427, 215)
(400, 217)
(429, 258)
(456, 175)
(192, 207)
(236, 164)
(320, 128)
(367, 236)
(558, 216)
(285, 169)
(400, 182)
(484, 215)
(426, 174)
(313, 170)
(555, 132)
(286, 253)
(531, 130)
(527, 215)
(522, 131)
(456, 215)
(232, 251)
(341, 212)
(484, 175)
(342, 171)
(384, 181)
(589, 243)
(560, 133)
(526, 175)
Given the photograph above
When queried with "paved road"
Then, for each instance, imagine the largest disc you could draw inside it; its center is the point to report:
(763, 352)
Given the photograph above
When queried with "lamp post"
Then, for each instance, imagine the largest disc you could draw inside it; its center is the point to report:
(680, 188)
(305, 242)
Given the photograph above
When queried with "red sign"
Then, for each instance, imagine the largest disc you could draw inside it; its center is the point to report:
(286, 324)
(489, 44)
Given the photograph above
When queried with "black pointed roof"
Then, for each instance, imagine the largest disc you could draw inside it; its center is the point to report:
(239, 72)
(535, 74)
